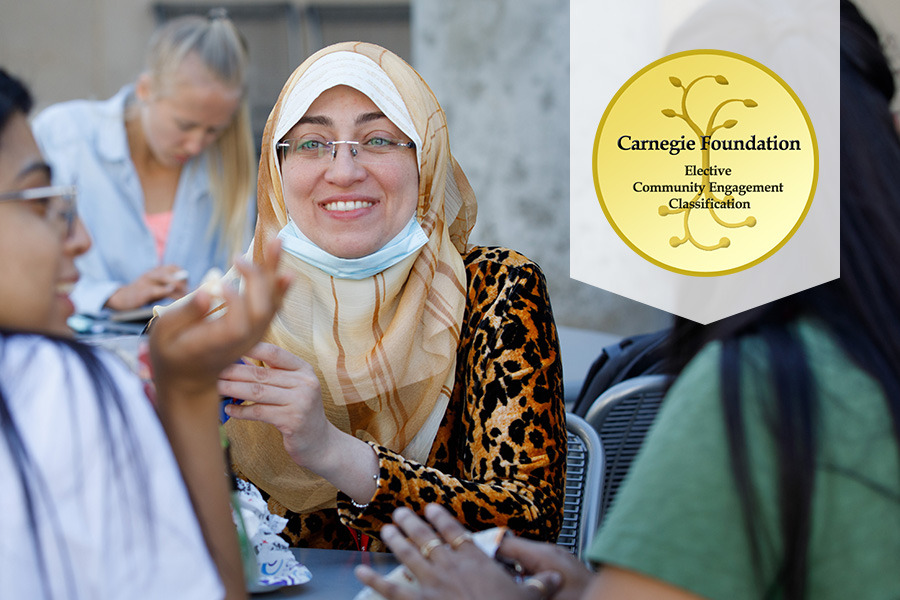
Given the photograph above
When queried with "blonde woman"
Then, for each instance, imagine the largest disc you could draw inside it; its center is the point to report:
(166, 166)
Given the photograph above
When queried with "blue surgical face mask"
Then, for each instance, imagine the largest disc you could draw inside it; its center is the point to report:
(410, 239)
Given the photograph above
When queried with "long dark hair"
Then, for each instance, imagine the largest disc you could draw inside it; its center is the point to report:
(13, 97)
(860, 308)
(127, 458)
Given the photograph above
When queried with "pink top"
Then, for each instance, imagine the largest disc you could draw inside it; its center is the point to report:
(159, 224)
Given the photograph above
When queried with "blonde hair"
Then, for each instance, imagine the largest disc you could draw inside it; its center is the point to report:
(232, 158)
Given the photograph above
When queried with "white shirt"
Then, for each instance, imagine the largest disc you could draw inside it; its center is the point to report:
(85, 143)
(96, 518)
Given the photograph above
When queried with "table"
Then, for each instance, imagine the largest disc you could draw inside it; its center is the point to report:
(332, 574)
(89, 327)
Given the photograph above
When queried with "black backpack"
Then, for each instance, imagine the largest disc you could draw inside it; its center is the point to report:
(632, 356)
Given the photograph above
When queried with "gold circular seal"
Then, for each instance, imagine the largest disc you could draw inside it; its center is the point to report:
(705, 162)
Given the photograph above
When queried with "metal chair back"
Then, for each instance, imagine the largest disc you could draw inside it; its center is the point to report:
(584, 478)
(622, 416)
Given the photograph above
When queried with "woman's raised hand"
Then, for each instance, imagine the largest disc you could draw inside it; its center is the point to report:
(286, 394)
(190, 351)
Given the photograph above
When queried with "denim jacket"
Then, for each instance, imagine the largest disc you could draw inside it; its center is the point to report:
(85, 144)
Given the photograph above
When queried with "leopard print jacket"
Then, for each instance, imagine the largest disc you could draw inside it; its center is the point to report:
(499, 457)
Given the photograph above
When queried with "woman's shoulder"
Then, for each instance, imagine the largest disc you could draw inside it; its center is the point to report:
(852, 406)
(505, 285)
(835, 374)
(18, 349)
(493, 269)
(77, 119)
(37, 364)
(849, 400)
(487, 256)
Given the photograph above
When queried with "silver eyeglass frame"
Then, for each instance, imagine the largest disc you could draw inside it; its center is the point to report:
(49, 191)
(353, 145)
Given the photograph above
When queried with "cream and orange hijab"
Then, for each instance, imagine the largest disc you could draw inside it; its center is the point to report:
(384, 347)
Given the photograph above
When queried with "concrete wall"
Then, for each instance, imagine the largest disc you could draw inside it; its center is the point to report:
(74, 49)
(501, 72)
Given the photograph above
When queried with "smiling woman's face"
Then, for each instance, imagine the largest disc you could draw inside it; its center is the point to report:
(348, 207)
(37, 268)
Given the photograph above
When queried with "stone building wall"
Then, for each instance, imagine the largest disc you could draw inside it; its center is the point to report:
(501, 72)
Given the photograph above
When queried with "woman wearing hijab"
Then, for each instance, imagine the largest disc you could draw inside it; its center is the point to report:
(405, 366)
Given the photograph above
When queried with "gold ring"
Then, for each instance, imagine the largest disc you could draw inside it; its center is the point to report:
(428, 547)
(537, 584)
(461, 539)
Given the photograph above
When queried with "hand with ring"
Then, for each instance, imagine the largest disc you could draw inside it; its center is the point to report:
(539, 557)
(441, 556)
(429, 546)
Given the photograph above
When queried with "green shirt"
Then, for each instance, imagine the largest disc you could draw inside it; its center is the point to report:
(678, 517)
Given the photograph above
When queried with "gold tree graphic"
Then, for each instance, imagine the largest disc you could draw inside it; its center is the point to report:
(705, 192)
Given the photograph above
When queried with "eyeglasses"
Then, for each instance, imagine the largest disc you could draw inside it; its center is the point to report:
(60, 203)
(372, 151)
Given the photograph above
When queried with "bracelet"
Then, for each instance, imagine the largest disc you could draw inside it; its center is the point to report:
(357, 504)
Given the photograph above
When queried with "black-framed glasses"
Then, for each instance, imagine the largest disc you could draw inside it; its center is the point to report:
(371, 151)
(60, 201)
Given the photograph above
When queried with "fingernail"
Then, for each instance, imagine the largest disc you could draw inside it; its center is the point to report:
(388, 531)
(554, 578)
(362, 570)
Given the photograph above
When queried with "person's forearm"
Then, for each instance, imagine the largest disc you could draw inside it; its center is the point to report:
(192, 426)
(348, 463)
(528, 505)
